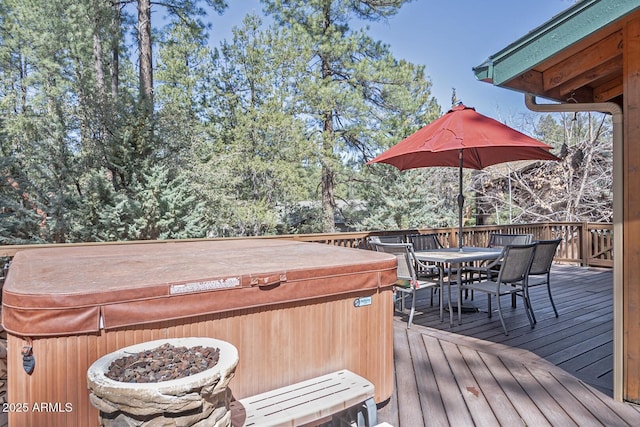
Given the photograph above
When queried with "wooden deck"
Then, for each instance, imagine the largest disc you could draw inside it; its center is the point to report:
(559, 373)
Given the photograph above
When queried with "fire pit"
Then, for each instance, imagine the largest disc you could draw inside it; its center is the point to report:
(180, 381)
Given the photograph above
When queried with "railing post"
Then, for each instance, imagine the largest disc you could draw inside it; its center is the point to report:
(453, 237)
(585, 243)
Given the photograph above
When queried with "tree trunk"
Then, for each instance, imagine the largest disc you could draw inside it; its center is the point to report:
(101, 85)
(144, 46)
(23, 86)
(115, 51)
(328, 200)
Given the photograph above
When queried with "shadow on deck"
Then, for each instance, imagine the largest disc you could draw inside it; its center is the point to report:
(558, 373)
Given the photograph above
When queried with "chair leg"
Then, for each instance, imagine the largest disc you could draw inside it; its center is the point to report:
(528, 308)
(500, 315)
(413, 310)
(552, 303)
(466, 294)
(459, 304)
(441, 289)
(459, 284)
(527, 305)
(550, 297)
(469, 279)
(400, 300)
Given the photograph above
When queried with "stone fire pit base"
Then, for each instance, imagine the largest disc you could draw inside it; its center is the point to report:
(197, 400)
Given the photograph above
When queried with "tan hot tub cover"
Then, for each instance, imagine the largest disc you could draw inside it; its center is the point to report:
(82, 289)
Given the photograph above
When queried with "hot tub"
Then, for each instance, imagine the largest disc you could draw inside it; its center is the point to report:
(294, 310)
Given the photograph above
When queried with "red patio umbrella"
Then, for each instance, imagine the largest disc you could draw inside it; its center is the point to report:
(467, 139)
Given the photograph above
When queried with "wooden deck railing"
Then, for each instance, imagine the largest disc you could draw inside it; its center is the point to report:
(586, 244)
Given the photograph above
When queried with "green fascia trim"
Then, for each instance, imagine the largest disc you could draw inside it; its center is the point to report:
(563, 30)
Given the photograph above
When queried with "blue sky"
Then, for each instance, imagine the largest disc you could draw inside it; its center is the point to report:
(448, 38)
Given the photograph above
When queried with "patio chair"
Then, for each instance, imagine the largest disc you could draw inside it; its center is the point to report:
(425, 242)
(373, 240)
(512, 279)
(500, 240)
(408, 283)
(541, 269)
(497, 240)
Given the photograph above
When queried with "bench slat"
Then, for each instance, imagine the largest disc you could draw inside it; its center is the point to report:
(307, 401)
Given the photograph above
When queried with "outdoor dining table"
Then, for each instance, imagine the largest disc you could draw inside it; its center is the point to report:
(447, 258)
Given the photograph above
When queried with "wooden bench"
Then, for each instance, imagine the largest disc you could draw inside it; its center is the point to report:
(310, 402)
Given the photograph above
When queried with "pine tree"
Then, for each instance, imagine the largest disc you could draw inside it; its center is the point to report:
(159, 207)
(22, 220)
(255, 165)
(351, 87)
(74, 136)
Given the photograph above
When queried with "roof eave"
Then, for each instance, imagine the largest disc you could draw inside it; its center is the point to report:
(563, 30)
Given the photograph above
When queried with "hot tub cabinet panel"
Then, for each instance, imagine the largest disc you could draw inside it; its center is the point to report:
(293, 310)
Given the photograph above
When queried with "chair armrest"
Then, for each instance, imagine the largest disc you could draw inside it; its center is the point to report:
(421, 264)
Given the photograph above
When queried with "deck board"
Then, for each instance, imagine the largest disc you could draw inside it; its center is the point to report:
(452, 399)
(502, 408)
(408, 396)
(476, 403)
(547, 405)
(425, 381)
(558, 373)
(528, 411)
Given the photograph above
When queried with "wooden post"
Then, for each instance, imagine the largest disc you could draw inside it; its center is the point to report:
(584, 243)
(631, 211)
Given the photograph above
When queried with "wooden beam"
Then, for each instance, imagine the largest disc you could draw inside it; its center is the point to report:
(631, 214)
(591, 57)
(608, 90)
(610, 67)
(531, 82)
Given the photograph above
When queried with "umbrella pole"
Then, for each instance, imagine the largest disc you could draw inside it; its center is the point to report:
(460, 202)
(465, 307)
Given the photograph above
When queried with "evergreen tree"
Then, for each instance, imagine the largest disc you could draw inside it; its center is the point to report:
(410, 199)
(22, 220)
(184, 94)
(255, 165)
(188, 12)
(46, 59)
(167, 208)
(75, 140)
(351, 87)
(159, 207)
(269, 133)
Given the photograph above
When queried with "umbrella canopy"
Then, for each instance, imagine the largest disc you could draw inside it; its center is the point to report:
(466, 139)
